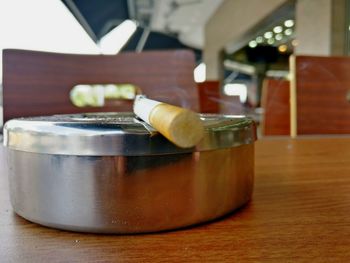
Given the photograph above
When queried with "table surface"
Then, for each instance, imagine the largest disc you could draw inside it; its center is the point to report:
(300, 212)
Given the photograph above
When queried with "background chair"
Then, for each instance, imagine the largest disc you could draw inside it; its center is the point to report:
(319, 90)
(39, 83)
(213, 100)
(231, 105)
(209, 96)
(275, 102)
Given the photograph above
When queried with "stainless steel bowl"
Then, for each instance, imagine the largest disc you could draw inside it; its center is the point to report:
(111, 173)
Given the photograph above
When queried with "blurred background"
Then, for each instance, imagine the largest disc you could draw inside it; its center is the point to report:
(242, 48)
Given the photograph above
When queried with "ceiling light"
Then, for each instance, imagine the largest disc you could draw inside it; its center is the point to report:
(200, 73)
(279, 37)
(288, 32)
(282, 48)
(289, 23)
(271, 41)
(268, 35)
(259, 39)
(115, 40)
(252, 44)
(277, 29)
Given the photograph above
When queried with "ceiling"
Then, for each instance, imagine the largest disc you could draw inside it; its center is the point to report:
(186, 18)
(176, 23)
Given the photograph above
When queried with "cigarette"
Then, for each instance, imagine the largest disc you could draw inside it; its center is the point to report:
(181, 126)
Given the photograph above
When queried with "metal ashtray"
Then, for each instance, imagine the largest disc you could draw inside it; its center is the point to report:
(111, 173)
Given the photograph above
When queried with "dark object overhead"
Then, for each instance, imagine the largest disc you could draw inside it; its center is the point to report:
(157, 41)
(98, 16)
(262, 54)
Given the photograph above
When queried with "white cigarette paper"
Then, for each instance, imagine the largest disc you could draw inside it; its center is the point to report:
(144, 106)
(181, 126)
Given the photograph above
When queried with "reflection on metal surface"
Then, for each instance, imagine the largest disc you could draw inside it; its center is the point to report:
(103, 134)
(120, 194)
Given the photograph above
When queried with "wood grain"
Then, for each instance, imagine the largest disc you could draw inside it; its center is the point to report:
(321, 88)
(275, 102)
(299, 213)
(38, 83)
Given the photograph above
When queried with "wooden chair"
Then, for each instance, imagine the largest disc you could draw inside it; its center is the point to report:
(319, 90)
(39, 83)
(275, 102)
(231, 105)
(209, 96)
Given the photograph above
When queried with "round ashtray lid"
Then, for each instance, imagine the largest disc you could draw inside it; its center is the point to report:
(107, 134)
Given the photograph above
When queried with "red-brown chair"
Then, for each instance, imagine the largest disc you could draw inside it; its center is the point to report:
(319, 95)
(39, 83)
(275, 102)
(209, 96)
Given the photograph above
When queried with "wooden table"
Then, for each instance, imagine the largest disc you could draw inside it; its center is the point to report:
(300, 212)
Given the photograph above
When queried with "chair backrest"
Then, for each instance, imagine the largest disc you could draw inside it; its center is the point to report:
(209, 96)
(39, 83)
(231, 105)
(319, 90)
(275, 102)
